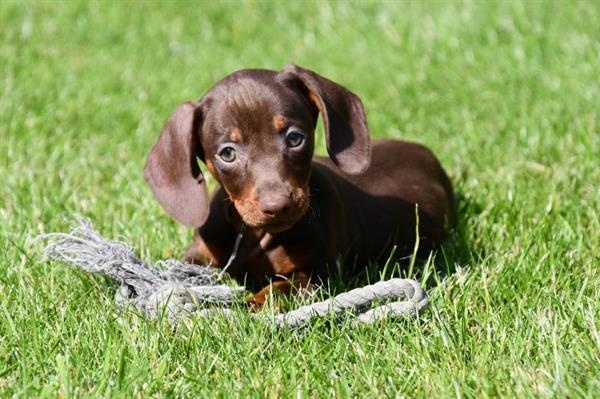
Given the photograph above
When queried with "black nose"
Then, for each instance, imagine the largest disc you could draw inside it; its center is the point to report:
(274, 204)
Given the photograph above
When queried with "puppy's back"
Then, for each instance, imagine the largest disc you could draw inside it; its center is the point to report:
(380, 202)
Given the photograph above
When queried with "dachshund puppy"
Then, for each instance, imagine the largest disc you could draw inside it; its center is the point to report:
(298, 214)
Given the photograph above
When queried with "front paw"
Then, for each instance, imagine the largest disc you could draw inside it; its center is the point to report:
(275, 294)
(256, 302)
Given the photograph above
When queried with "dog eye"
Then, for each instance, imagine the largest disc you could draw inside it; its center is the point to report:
(227, 154)
(294, 138)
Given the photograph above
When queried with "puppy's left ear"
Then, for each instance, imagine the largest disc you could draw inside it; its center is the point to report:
(344, 119)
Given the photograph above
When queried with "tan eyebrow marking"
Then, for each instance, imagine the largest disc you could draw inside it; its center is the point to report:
(235, 134)
(210, 166)
(279, 122)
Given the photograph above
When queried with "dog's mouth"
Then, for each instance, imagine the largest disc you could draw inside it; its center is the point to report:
(277, 226)
(254, 218)
(274, 223)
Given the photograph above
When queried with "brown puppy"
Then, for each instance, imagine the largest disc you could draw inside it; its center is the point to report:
(254, 130)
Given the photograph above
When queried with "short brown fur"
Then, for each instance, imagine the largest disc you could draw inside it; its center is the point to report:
(298, 214)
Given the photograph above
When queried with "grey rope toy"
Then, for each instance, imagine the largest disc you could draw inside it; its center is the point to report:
(183, 290)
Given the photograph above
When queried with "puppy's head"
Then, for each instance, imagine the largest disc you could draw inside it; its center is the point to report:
(254, 130)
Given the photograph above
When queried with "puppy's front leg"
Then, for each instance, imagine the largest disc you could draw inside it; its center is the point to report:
(214, 240)
(292, 284)
(209, 247)
(198, 253)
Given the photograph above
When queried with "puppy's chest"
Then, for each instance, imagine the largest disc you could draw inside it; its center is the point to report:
(268, 256)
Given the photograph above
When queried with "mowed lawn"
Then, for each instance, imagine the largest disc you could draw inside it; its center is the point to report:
(507, 94)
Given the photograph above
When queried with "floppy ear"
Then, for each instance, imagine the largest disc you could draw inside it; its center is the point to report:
(344, 119)
(172, 170)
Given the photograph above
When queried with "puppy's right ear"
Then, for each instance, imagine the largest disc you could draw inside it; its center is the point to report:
(172, 169)
(346, 129)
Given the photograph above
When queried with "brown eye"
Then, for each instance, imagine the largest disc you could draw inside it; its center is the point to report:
(294, 138)
(227, 154)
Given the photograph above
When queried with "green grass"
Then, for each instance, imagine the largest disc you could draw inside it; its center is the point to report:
(507, 94)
